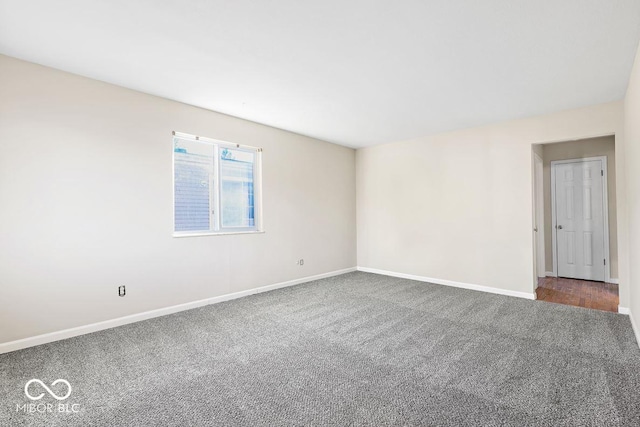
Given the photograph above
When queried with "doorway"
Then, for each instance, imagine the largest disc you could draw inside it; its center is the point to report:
(575, 222)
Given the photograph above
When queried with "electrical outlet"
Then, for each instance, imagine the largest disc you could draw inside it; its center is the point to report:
(122, 291)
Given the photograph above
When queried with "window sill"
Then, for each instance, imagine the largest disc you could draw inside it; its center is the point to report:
(219, 233)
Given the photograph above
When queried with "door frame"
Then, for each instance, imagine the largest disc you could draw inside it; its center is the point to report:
(605, 209)
(538, 206)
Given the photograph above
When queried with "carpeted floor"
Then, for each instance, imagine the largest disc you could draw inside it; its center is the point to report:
(357, 349)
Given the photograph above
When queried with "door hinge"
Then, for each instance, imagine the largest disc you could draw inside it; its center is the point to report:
(601, 172)
(605, 262)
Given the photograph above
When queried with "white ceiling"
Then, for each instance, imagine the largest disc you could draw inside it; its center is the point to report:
(353, 72)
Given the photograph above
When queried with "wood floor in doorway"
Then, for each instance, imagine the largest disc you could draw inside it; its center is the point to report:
(581, 293)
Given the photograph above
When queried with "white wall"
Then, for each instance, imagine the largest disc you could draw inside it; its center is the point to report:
(86, 193)
(632, 162)
(458, 206)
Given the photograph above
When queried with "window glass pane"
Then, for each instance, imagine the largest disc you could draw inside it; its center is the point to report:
(193, 169)
(236, 192)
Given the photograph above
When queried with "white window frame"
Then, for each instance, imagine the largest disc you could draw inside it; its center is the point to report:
(216, 216)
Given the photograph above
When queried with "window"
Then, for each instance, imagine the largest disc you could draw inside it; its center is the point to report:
(216, 186)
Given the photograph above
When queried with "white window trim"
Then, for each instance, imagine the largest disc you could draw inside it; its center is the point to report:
(216, 233)
(257, 189)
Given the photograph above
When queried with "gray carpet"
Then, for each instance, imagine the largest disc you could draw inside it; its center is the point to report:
(357, 349)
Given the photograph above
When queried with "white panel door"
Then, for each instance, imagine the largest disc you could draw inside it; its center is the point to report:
(580, 220)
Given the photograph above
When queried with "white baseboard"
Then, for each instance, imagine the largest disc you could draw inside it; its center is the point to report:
(550, 274)
(451, 283)
(107, 324)
(614, 281)
(623, 310)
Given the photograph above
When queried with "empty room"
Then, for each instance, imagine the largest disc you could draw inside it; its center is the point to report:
(420, 213)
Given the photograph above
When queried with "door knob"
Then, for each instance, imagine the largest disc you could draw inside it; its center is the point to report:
(559, 227)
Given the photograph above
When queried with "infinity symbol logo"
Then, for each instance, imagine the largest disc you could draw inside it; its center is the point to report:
(38, 397)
